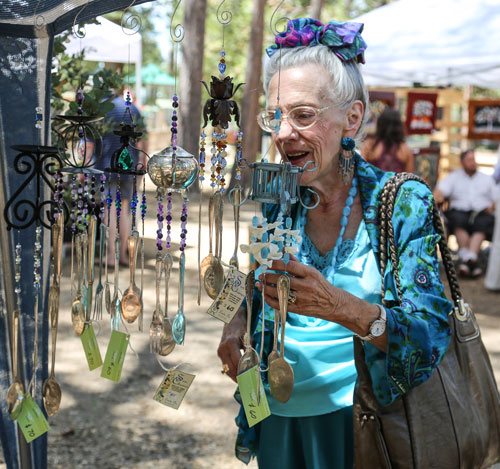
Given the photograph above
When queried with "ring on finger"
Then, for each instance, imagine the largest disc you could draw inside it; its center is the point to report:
(225, 368)
(292, 298)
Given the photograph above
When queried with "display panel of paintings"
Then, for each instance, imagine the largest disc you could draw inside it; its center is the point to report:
(421, 113)
(484, 119)
(379, 100)
(427, 164)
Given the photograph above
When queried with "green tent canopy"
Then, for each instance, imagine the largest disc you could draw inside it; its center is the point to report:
(153, 75)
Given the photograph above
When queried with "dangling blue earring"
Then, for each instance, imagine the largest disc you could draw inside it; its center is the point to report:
(346, 159)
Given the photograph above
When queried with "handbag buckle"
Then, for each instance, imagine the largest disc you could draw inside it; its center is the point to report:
(462, 310)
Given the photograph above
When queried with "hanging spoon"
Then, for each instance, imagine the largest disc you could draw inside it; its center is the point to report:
(115, 302)
(250, 357)
(131, 303)
(274, 354)
(236, 210)
(167, 342)
(214, 275)
(77, 307)
(280, 374)
(16, 390)
(179, 324)
(207, 261)
(51, 390)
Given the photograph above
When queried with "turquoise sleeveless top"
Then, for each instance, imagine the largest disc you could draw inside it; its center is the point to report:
(321, 352)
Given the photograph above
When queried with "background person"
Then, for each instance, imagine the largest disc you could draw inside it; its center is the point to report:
(492, 278)
(335, 278)
(387, 150)
(471, 196)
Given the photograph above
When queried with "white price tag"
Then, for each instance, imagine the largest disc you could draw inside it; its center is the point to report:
(230, 297)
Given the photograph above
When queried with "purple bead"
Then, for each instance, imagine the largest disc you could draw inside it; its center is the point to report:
(169, 218)
(175, 98)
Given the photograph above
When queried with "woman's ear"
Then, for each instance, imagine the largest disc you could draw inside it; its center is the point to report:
(354, 118)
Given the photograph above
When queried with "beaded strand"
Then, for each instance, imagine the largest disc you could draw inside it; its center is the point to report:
(133, 203)
(169, 220)
(184, 217)
(118, 206)
(202, 157)
(102, 197)
(159, 216)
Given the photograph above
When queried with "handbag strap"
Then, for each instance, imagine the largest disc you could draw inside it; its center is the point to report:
(387, 243)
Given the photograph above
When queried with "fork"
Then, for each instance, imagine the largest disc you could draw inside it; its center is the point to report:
(99, 291)
(156, 326)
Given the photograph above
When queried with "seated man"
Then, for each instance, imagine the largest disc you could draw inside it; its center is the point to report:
(471, 195)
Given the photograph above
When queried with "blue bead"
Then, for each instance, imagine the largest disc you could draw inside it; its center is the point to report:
(214, 160)
(255, 221)
(264, 252)
(346, 211)
(265, 238)
(222, 68)
(349, 201)
(252, 258)
(286, 258)
(288, 222)
(280, 245)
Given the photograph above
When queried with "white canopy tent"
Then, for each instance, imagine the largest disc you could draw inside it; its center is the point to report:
(108, 42)
(433, 43)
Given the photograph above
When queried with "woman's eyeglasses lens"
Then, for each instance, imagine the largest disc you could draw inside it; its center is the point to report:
(300, 118)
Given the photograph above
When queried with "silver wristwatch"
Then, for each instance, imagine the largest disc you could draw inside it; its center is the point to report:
(377, 327)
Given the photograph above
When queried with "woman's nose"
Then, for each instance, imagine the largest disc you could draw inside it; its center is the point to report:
(286, 130)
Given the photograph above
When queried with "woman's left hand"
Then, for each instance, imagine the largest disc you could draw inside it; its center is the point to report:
(314, 295)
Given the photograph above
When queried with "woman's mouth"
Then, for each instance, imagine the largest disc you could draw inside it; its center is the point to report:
(298, 158)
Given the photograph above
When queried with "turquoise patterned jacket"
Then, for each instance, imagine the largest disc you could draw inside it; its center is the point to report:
(418, 333)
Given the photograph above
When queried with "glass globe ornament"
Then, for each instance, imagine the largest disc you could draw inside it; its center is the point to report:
(173, 171)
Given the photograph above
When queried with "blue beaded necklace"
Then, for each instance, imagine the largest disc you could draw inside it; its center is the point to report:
(346, 211)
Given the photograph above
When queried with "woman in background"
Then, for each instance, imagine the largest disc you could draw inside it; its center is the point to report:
(387, 149)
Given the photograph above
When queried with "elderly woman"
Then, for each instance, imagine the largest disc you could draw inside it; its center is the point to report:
(315, 81)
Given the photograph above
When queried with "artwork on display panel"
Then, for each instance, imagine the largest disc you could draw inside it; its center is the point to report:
(421, 111)
(484, 119)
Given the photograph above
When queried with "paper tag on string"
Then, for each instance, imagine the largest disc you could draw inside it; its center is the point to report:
(31, 420)
(173, 388)
(253, 396)
(91, 348)
(226, 305)
(115, 356)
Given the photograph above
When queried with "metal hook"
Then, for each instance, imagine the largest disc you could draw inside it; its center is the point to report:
(308, 207)
(131, 24)
(80, 32)
(225, 17)
(38, 20)
(177, 33)
(273, 25)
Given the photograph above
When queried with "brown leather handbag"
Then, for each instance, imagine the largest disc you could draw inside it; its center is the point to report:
(450, 421)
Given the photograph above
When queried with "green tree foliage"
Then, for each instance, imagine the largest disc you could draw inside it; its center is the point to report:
(69, 72)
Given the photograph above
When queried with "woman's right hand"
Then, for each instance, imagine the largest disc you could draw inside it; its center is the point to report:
(231, 343)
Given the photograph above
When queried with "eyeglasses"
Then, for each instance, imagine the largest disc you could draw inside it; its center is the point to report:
(300, 118)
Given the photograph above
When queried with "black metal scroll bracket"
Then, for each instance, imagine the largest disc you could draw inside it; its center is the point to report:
(37, 162)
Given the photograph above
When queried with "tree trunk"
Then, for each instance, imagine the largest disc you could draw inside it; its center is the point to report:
(191, 71)
(252, 92)
(316, 8)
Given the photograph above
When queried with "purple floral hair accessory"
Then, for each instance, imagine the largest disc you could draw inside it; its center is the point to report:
(342, 37)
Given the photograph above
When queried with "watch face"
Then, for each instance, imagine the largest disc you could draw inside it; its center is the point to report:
(378, 328)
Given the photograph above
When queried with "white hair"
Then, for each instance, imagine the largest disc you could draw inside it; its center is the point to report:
(346, 85)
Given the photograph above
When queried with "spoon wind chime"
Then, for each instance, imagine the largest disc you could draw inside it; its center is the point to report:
(172, 170)
(219, 109)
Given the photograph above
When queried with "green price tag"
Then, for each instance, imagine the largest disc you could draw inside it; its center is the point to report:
(115, 356)
(91, 348)
(173, 388)
(253, 396)
(31, 420)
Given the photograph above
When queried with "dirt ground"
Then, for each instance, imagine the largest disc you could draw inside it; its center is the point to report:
(102, 424)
